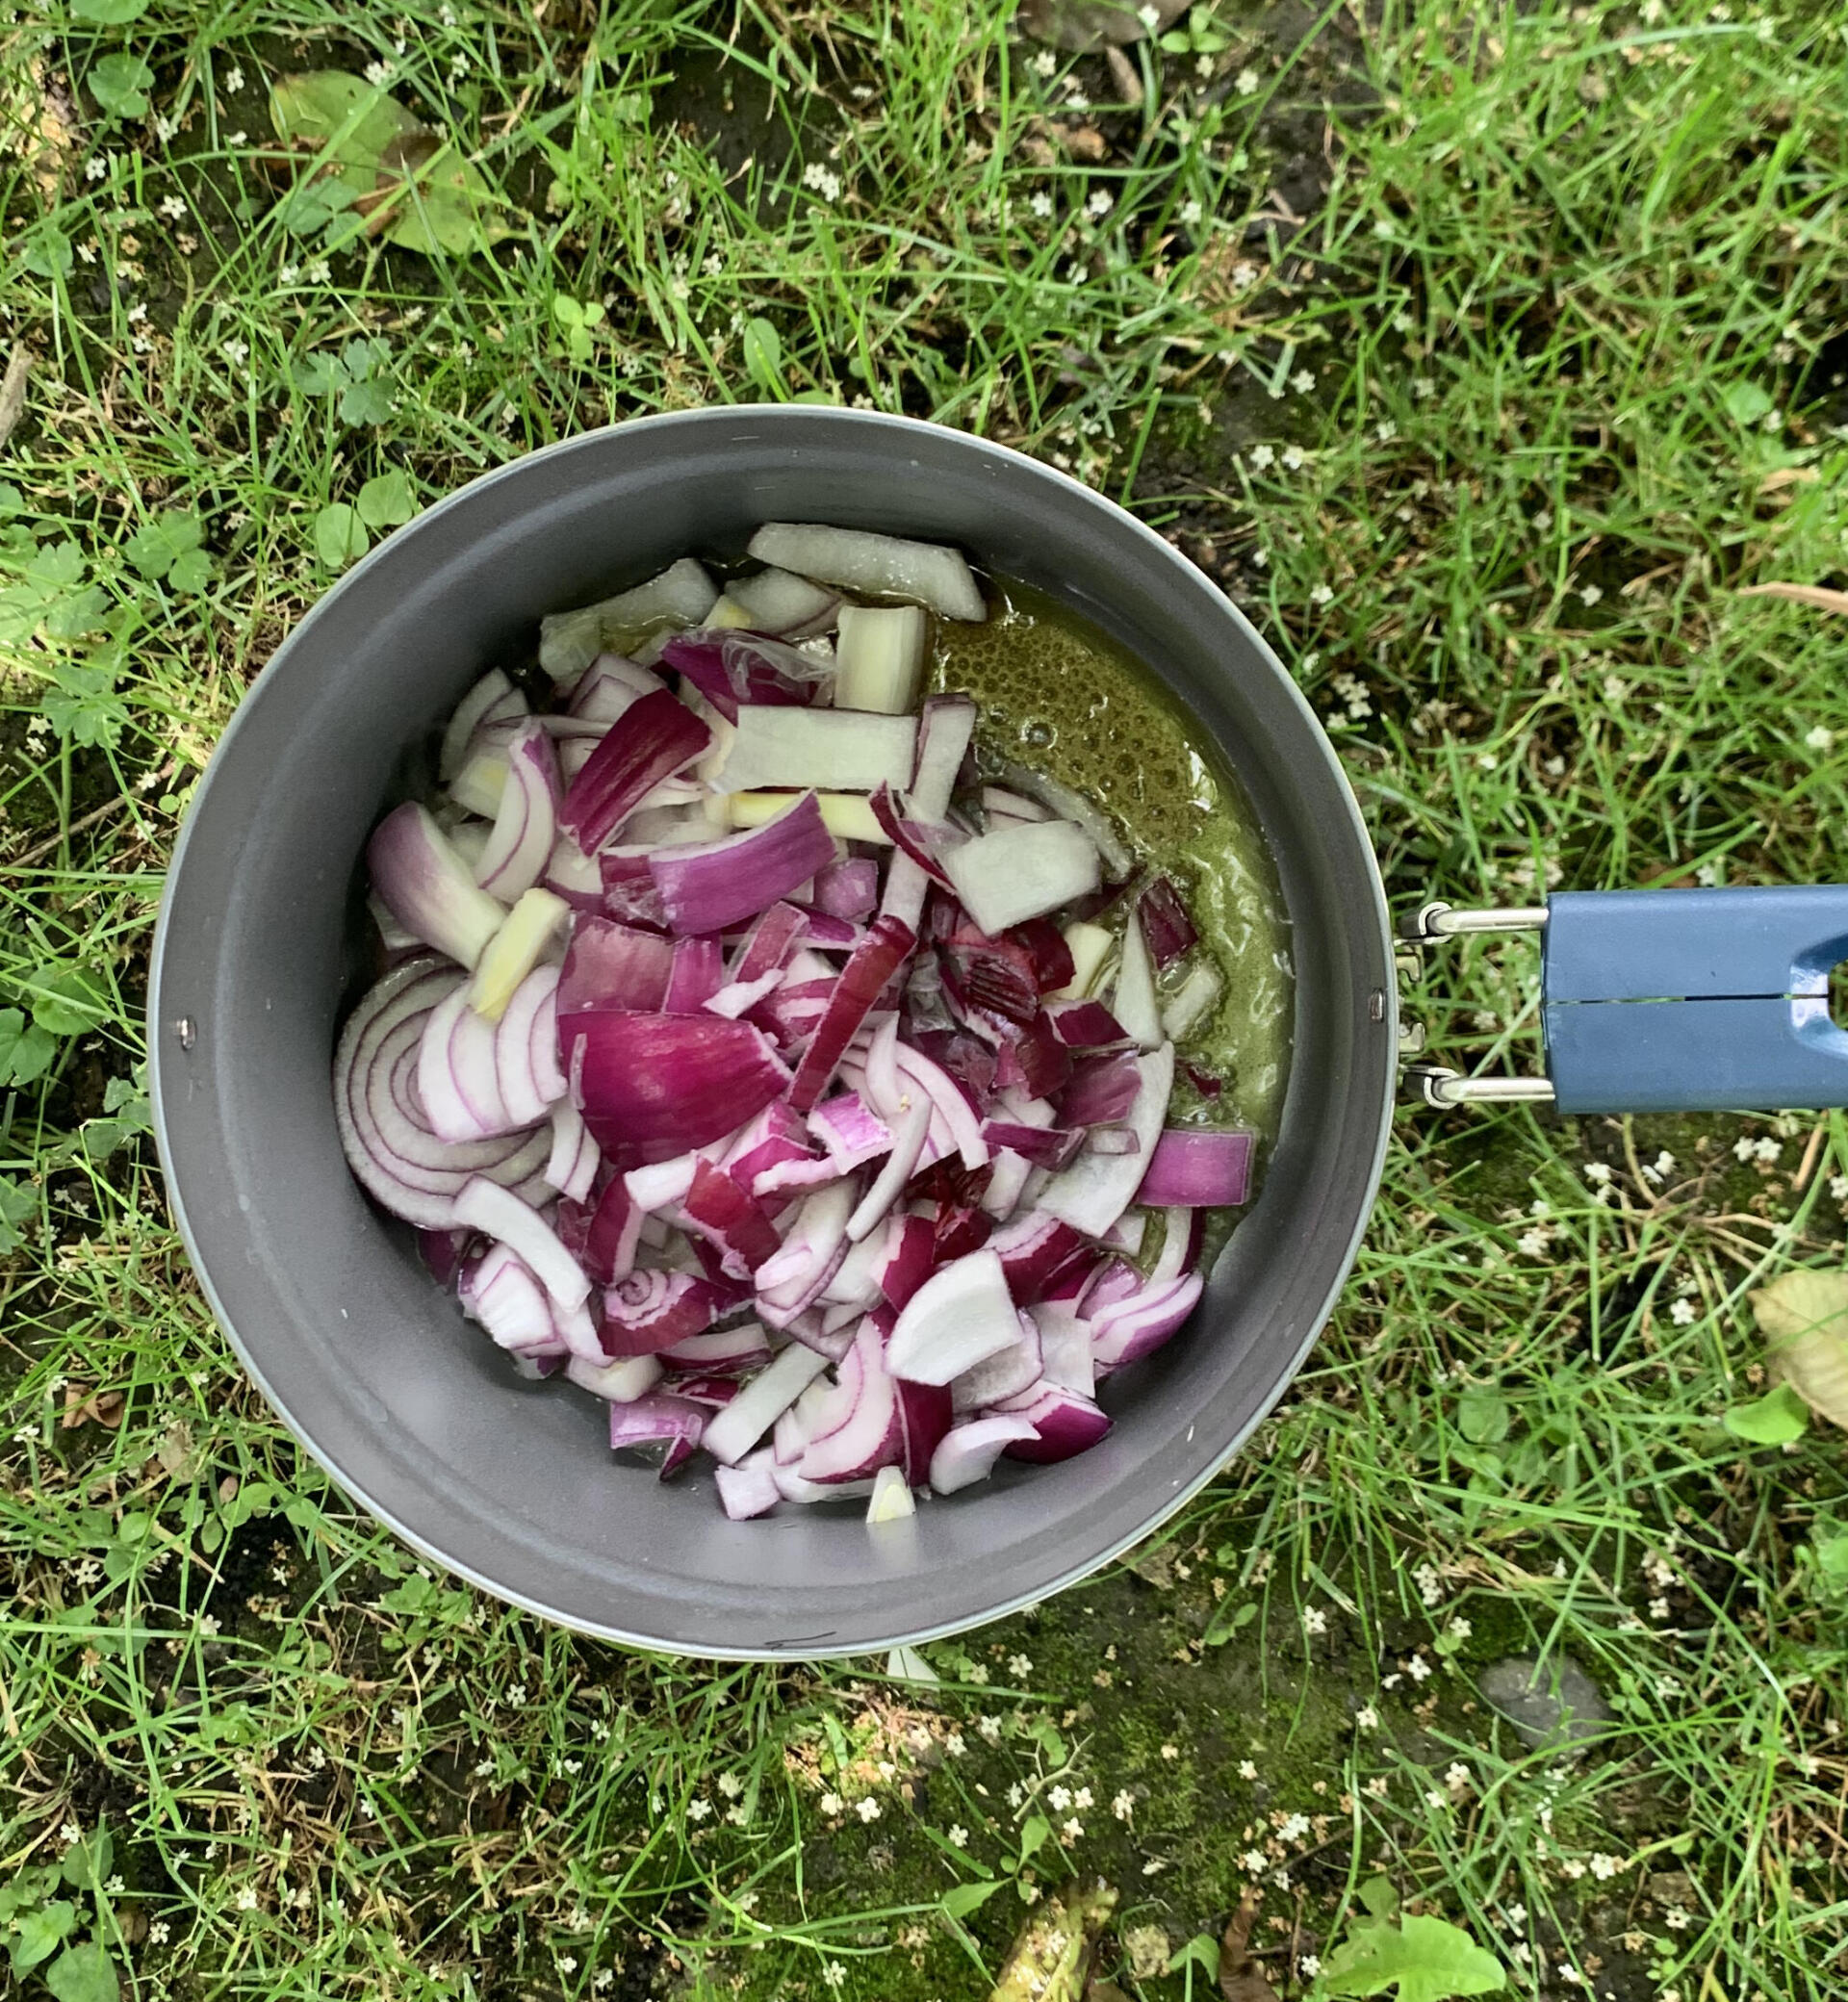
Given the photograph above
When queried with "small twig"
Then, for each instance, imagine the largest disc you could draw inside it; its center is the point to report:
(77, 826)
(1807, 1166)
(1819, 595)
(13, 390)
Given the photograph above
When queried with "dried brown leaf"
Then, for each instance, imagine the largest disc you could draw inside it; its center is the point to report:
(1818, 595)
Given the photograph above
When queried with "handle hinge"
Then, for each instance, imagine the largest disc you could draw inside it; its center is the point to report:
(1431, 924)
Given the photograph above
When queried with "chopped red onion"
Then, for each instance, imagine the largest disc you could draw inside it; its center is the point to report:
(1033, 1252)
(967, 1453)
(1065, 1424)
(1199, 1169)
(698, 974)
(1097, 1189)
(722, 1213)
(656, 739)
(729, 1349)
(648, 1310)
(924, 1414)
(771, 941)
(1046, 1146)
(887, 946)
(1135, 1004)
(1074, 806)
(526, 1094)
(651, 1087)
(944, 727)
(1003, 1375)
(1036, 1061)
(1064, 1348)
(888, 1185)
(750, 1488)
(427, 886)
(731, 668)
(711, 886)
(458, 1079)
(1180, 1249)
(615, 966)
(526, 825)
(659, 1418)
(499, 1214)
(1102, 1090)
(1168, 928)
(908, 1260)
(739, 997)
(492, 701)
(848, 889)
(868, 1433)
(1085, 1025)
(831, 750)
(1126, 1330)
(574, 1158)
(502, 1294)
(850, 1132)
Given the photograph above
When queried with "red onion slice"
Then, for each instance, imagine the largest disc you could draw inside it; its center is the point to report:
(497, 1213)
(967, 1453)
(656, 739)
(427, 886)
(525, 826)
(1126, 1330)
(1065, 1424)
(961, 1316)
(1199, 1169)
(709, 886)
(749, 1415)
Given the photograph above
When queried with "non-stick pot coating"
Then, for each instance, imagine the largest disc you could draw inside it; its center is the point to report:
(411, 1409)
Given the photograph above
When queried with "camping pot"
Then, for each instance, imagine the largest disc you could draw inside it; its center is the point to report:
(510, 1482)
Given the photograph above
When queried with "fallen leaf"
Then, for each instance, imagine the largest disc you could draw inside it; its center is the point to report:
(1083, 143)
(1804, 1319)
(83, 1405)
(1818, 595)
(1051, 1958)
(1787, 476)
(1427, 1960)
(12, 392)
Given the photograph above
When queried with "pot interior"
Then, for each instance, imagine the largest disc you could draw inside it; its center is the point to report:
(409, 1406)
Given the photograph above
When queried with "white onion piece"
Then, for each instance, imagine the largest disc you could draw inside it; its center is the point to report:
(477, 787)
(737, 1429)
(457, 1078)
(1090, 946)
(908, 1143)
(831, 750)
(1133, 1002)
(880, 659)
(484, 1206)
(1191, 1002)
(621, 1380)
(575, 1156)
(967, 1453)
(962, 1315)
(526, 1099)
(490, 692)
(750, 1488)
(1020, 872)
(778, 602)
(515, 950)
(891, 1499)
(682, 595)
(887, 566)
(527, 823)
(1075, 807)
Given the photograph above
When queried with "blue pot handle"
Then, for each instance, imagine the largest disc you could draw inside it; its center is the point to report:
(1674, 1000)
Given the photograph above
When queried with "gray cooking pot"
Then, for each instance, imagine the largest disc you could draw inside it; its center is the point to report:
(371, 1363)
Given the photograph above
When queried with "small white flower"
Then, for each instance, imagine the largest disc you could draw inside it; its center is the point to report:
(1658, 1608)
(730, 1785)
(319, 272)
(238, 137)
(1675, 1919)
(1368, 1718)
(1604, 1867)
(954, 1745)
(234, 79)
(1248, 1769)
(1123, 1807)
(1302, 382)
(1457, 1778)
(1171, 1751)
(1059, 1799)
(1314, 1619)
(1589, 594)
(832, 1804)
(95, 167)
(1246, 83)
(1150, 18)
(1191, 214)
(1597, 1173)
(988, 1729)
(248, 1898)
(1434, 1799)
(173, 207)
(1099, 203)
(1294, 458)
(1255, 1861)
(868, 1808)
(833, 1974)
(1682, 1313)
(1041, 205)
(1044, 64)
(1386, 431)
(378, 75)
(1243, 275)
(165, 128)
(1423, 388)
(698, 1809)
(237, 352)
(959, 1836)
(822, 180)
(1071, 1830)
(1820, 738)
(1293, 1828)
(1082, 1798)
(1571, 1976)
(1263, 456)
(157, 1932)
(1020, 1665)
(1309, 1963)
(1418, 1668)
(1320, 594)
(1768, 1149)
(1376, 1787)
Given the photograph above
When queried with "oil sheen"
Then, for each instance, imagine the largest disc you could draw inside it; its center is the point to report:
(1061, 697)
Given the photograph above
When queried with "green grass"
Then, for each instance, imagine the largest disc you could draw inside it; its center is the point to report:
(1568, 314)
